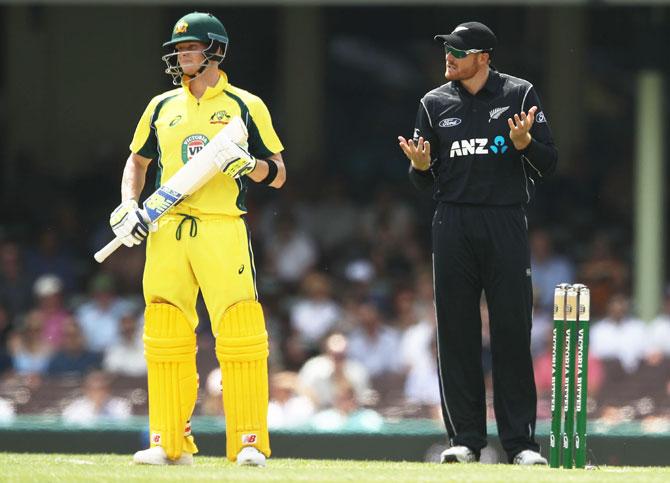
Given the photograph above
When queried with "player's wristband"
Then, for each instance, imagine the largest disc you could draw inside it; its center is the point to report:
(273, 170)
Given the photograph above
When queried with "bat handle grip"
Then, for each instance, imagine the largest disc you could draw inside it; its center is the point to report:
(107, 250)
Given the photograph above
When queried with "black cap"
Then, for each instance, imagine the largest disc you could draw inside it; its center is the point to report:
(469, 36)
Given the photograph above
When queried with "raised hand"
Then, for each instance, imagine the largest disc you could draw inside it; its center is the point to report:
(519, 128)
(418, 154)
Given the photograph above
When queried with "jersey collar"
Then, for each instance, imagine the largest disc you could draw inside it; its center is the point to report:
(214, 91)
(491, 86)
(493, 82)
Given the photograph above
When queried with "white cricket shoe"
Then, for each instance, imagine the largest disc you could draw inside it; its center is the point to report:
(529, 457)
(458, 454)
(250, 456)
(156, 456)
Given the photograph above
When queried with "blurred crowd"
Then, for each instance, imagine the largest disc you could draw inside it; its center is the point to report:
(346, 286)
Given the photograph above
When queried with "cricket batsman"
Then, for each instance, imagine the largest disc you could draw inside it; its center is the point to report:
(202, 244)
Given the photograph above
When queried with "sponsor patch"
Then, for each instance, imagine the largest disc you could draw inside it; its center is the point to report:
(156, 438)
(498, 146)
(465, 147)
(219, 117)
(450, 122)
(192, 145)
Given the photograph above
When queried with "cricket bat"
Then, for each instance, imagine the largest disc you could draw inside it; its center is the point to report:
(193, 175)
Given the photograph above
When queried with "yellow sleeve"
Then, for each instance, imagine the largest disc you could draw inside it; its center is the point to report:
(263, 140)
(145, 142)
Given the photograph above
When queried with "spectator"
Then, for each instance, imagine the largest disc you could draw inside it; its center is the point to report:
(288, 408)
(5, 331)
(417, 327)
(15, 283)
(604, 273)
(659, 330)
(372, 342)
(315, 313)
(334, 219)
(212, 403)
(543, 320)
(390, 214)
(290, 253)
(619, 336)
(404, 308)
(73, 358)
(49, 256)
(415, 343)
(100, 317)
(48, 290)
(7, 411)
(346, 414)
(321, 375)
(425, 298)
(30, 354)
(97, 403)
(126, 357)
(548, 269)
(422, 386)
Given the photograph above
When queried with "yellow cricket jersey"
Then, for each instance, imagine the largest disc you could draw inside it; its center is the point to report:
(175, 126)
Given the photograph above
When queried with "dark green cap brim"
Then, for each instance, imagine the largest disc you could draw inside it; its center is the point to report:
(193, 38)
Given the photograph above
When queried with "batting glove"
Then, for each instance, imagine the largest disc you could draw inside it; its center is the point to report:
(128, 223)
(233, 160)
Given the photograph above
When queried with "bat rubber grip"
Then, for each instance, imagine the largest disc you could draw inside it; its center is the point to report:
(107, 250)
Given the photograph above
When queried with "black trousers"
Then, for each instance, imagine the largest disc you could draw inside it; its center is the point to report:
(485, 248)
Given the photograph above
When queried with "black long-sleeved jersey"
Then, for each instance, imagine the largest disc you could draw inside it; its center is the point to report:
(474, 160)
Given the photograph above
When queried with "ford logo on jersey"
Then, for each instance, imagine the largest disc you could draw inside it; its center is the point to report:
(449, 122)
(465, 147)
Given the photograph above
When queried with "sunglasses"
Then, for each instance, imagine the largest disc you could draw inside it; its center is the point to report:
(462, 54)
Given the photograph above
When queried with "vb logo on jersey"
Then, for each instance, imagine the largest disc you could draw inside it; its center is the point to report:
(192, 145)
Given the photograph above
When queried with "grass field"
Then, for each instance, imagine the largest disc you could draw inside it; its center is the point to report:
(71, 468)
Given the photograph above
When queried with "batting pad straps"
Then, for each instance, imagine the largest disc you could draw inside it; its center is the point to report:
(179, 349)
(242, 351)
(169, 348)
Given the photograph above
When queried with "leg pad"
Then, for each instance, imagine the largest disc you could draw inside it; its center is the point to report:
(169, 348)
(242, 351)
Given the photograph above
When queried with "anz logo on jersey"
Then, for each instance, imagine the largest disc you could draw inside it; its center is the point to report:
(466, 147)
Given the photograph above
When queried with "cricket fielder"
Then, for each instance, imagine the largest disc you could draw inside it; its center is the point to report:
(480, 142)
(201, 244)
